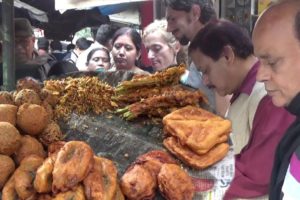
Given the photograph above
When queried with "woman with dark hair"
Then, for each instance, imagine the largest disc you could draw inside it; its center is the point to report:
(126, 50)
(98, 59)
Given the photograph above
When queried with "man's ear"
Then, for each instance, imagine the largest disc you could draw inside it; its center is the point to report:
(228, 53)
(196, 12)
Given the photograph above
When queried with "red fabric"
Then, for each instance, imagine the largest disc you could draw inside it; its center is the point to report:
(253, 165)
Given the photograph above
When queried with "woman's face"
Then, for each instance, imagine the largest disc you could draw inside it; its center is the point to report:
(160, 53)
(124, 52)
(99, 61)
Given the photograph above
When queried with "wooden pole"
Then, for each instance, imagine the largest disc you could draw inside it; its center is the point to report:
(8, 32)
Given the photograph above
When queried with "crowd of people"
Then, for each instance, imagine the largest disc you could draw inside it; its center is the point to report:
(253, 81)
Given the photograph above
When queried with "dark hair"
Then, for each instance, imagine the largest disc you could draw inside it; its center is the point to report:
(211, 39)
(297, 25)
(104, 33)
(82, 43)
(132, 33)
(91, 53)
(56, 45)
(207, 8)
(70, 46)
(61, 68)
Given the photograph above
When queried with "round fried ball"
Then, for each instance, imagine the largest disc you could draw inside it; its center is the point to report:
(8, 113)
(49, 96)
(6, 98)
(32, 118)
(7, 167)
(10, 138)
(29, 83)
(48, 109)
(51, 133)
(27, 96)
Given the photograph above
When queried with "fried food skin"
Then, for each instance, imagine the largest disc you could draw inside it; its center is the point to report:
(43, 179)
(8, 113)
(28, 83)
(50, 134)
(137, 183)
(74, 162)
(76, 194)
(7, 167)
(174, 183)
(10, 138)
(192, 159)
(27, 96)
(9, 191)
(6, 98)
(55, 147)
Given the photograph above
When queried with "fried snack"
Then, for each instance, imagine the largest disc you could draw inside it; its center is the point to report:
(153, 161)
(43, 179)
(74, 162)
(6, 98)
(44, 197)
(29, 145)
(137, 183)
(7, 167)
(24, 176)
(76, 194)
(174, 183)
(119, 195)
(192, 159)
(32, 118)
(10, 139)
(50, 134)
(48, 109)
(55, 147)
(8, 113)
(9, 192)
(51, 97)
(197, 128)
(27, 96)
(170, 76)
(29, 83)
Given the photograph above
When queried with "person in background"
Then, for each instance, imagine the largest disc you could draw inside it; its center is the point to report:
(98, 60)
(70, 47)
(223, 52)
(126, 50)
(103, 38)
(81, 45)
(57, 50)
(43, 46)
(185, 18)
(276, 39)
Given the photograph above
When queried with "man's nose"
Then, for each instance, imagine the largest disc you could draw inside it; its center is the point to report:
(169, 27)
(150, 54)
(263, 73)
(205, 80)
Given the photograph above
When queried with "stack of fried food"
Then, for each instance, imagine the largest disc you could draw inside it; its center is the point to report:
(156, 169)
(80, 95)
(71, 171)
(197, 137)
(155, 95)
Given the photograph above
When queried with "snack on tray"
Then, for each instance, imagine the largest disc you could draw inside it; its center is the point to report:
(7, 167)
(10, 139)
(6, 98)
(27, 96)
(8, 113)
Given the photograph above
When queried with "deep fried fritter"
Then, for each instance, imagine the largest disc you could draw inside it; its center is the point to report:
(10, 138)
(48, 109)
(137, 183)
(7, 167)
(29, 83)
(24, 176)
(74, 162)
(55, 147)
(27, 96)
(9, 191)
(51, 133)
(43, 179)
(49, 96)
(8, 113)
(44, 197)
(174, 183)
(32, 118)
(119, 195)
(192, 159)
(76, 194)
(29, 145)
(6, 98)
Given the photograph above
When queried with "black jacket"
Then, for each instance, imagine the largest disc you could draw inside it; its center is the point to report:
(284, 151)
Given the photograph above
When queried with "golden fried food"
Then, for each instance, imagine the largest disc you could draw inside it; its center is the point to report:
(24, 176)
(9, 192)
(43, 179)
(29, 145)
(137, 183)
(8, 113)
(153, 161)
(27, 96)
(44, 197)
(48, 109)
(29, 83)
(51, 97)
(119, 195)
(192, 159)
(76, 194)
(32, 118)
(6, 98)
(55, 147)
(197, 128)
(50, 134)
(174, 183)
(7, 167)
(10, 138)
(74, 162)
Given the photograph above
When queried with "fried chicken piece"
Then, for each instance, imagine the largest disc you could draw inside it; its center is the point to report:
(43, 179)
(9, 192)
(138, 184)
(76, 194)
(174, 183)
(7, 167)
(192, 159)
(8, 113)
(50, 134)
(10, 139)
(32, 118)
(74, 162)
(6, 98)
(27, 96)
